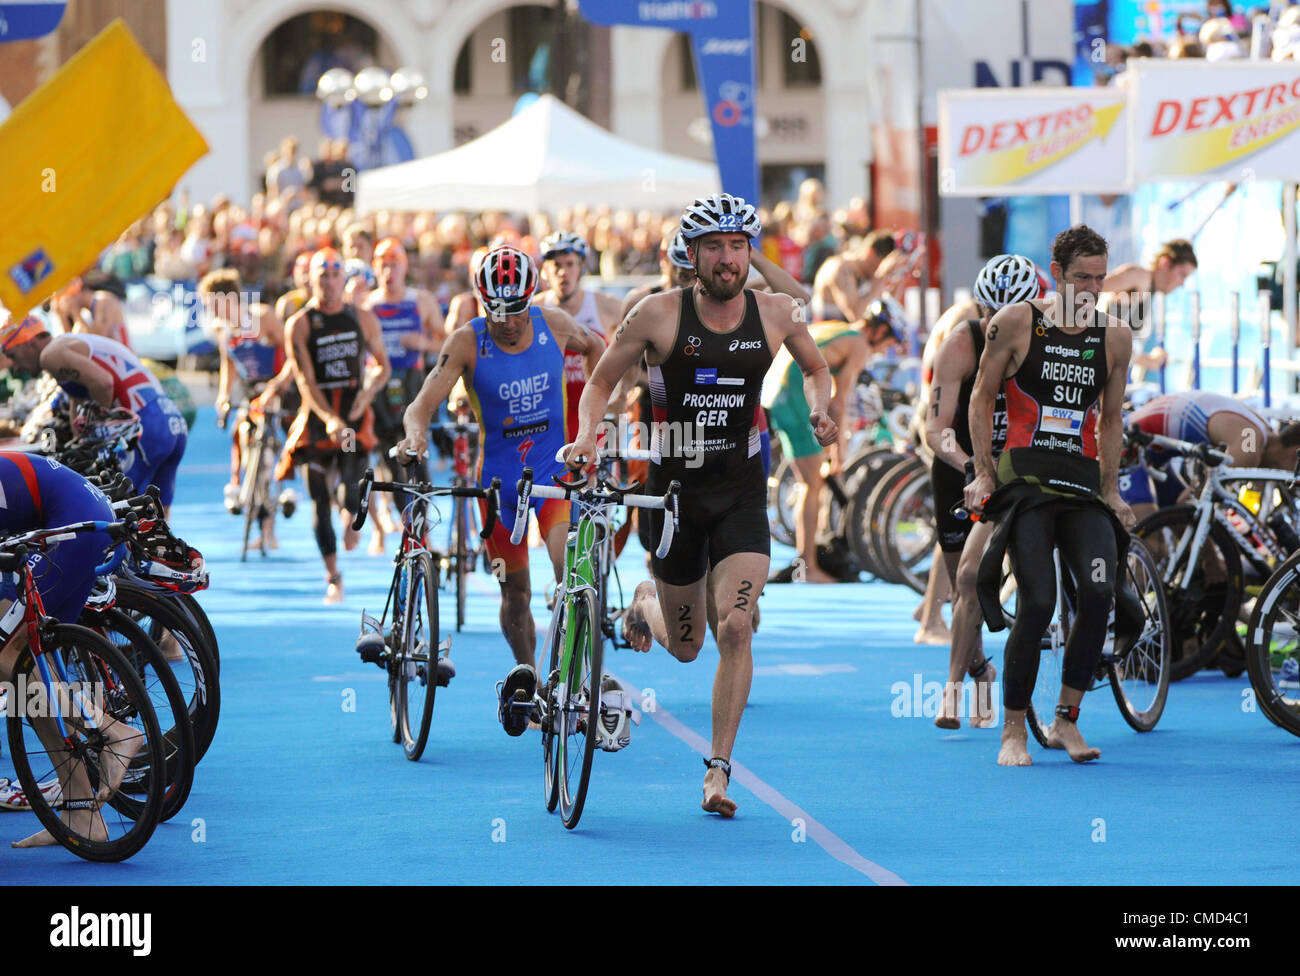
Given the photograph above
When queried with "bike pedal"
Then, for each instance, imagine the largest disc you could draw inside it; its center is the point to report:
(372, 649)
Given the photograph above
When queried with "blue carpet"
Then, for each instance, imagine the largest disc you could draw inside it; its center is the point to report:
(298, 789)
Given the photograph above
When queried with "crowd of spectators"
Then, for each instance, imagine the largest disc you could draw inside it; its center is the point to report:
(298, 211)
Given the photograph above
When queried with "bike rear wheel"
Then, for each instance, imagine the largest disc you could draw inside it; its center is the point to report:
(417, 664)
(578, 712)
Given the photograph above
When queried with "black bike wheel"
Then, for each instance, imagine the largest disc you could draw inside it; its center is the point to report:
(550, 698)
(1273, 647)
(1140, 678)
(195, 612)
(579, 710)
(1202, 602)
(169, 702)
(861, 479)
(878, 514)
(417, 671)
(165, 623)
(907, 542)
(127, 738)
(780, 503)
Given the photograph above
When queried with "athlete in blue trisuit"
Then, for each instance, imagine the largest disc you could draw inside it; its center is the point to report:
(92, 367)
(512, 364)
(40, 493)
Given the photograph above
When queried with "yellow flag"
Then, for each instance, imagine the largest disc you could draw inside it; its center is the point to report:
(93, 149)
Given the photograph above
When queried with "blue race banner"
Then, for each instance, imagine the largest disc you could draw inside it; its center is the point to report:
(24, 21)
(722, 42)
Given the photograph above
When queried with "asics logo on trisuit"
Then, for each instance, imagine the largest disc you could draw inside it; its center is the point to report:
(738, 344)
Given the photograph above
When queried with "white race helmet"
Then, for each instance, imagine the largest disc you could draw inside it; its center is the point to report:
(720, 214)
(677, 255)
(563, 242)
(1007, 279)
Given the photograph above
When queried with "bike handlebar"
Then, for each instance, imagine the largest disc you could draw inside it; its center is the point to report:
(563, 490)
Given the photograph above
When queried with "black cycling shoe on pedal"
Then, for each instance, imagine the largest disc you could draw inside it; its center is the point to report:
(446, 671)
(515, 699)
(372, 649)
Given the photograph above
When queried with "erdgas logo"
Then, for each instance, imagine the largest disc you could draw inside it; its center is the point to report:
(747, 344)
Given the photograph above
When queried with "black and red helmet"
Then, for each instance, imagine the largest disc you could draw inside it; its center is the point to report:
(505, 280)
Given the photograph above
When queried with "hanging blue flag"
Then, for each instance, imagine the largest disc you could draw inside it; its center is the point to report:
(24, 21)
(722, 42)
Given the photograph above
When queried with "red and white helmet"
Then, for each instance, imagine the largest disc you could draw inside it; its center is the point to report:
(505, 280)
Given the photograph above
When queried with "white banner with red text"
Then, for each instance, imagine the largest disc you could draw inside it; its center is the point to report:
(1000, 142)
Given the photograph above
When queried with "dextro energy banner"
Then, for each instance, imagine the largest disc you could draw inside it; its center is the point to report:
(722, 39)
(994, 142)
(1224, 121)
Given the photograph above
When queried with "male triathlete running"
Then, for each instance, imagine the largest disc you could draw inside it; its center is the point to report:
(1202, 417)
(327, 341)
(250, 341)
(91, 367)
(41, 493)
(708, 348)
(96, 312)
(512, 364)
(564, 260)
(847, 283)
(1127, 295)
(1064, 374)
(1004, 280)
(412, 327)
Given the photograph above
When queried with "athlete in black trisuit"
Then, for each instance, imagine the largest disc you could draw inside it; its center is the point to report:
(1064, 374)
(708, 348)
(327, 341)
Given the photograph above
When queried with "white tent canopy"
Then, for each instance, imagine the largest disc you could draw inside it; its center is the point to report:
(546, 157)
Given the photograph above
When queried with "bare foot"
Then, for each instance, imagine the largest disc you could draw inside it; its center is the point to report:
(334, 591)
(351, 537)
(715, 795)
(376, 544)
(269, 542)
(636, 629)
(930, 636)
(950, 708)
(983, 712)
(1064, 734)
(122, 743)
(1015, 747)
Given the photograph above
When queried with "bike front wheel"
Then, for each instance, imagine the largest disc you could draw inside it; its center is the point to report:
(1273, 647)
(416, 668)
(1140, 677)
(578, 707)
(110, 813)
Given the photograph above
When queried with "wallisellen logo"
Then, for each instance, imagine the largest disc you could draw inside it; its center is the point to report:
(726, 45)
(677, 10)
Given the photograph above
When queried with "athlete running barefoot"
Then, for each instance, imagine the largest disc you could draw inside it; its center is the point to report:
(334, 428)
(708, 348)
(1064, 374)
(1004, 280)
(512, 362)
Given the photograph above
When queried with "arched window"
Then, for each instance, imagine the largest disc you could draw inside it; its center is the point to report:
(303, 48)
